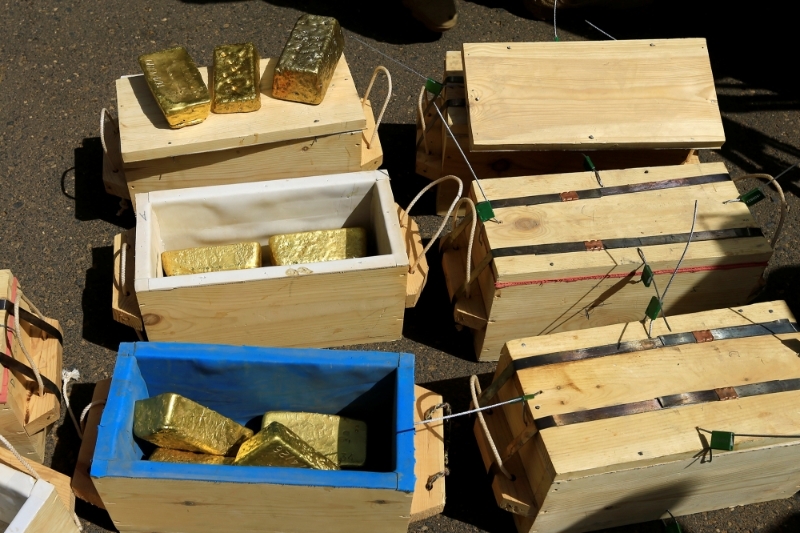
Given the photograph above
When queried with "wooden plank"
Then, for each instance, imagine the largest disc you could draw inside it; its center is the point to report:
(145, 135)
(82, 484)
(113, 169)
(58, 480)
(413, 243)
(335, 309)
(469, 310)
(172, 506)
(592, 95)
(124, 305)
(371, 154)
(429, 453)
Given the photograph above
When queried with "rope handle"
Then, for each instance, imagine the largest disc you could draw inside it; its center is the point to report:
(413, 266)
(475, 390)
(378, 69)
(784, 205)
(18, 334)
(466, 200)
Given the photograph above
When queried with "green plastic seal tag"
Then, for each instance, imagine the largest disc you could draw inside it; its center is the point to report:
(752, 197)
(485, 211)
(433, 87)
(674, 527)
(653, 308)
(588, 164)
(647, 275)
(722, 440)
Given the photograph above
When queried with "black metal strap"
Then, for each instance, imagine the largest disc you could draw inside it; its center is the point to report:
(17, 366)
(669, 402)
(33, 320)
(775, 327)
(636, 242)
(609, 191)
(454, 80)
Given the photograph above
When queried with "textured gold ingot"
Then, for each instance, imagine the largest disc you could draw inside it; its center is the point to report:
(172, 421)
(308, 60)
(317, 246)
(177, 86)
(211, 259)
(277, 445)
(342, 440)
(165, 455)
(236, 79)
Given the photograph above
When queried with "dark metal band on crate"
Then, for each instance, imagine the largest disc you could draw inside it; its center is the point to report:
(636, 242)
(456, 80)
(669, 402)
(21, 368)
(608, 191)
(33, 320)
(776, 327)
(456, 102)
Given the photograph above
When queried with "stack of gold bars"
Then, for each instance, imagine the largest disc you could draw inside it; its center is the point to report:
(302, 74)
(187, 432)
(287, 249)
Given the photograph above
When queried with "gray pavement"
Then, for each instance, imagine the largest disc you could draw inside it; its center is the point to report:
(58, 63)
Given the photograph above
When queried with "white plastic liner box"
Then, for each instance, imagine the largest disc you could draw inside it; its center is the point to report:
(324, 304)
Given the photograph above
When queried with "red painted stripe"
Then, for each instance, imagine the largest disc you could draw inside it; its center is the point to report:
(686, 270)
(9, 343)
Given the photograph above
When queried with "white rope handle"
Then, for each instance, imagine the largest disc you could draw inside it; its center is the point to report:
(378, 69)
(467, 200)
(22, 343)
(103, 114)
(423, 93)
(784, 205)
(475, 389)
(123, 262)
(86, 412)
(66, 377)
(27, 466)
(413, 266)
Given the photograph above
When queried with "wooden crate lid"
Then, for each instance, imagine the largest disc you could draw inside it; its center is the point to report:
(659, 435)
(645, 214)
(592, 95)
(145, 135)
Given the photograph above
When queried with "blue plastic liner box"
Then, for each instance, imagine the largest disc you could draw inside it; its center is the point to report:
(243, 383)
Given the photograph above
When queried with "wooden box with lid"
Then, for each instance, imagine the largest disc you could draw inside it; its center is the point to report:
(564, 253)
(539, 108)
(281, 140)
(622, 424)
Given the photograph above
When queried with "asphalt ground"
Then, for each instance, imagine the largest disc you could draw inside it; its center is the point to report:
(58, 63)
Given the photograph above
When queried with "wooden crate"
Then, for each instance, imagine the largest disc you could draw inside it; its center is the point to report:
(281, 140)
(24, 415)
(326, 304)
(81, 483)
(619, 432)
(441, 157)
(28, 505)
(375, 387)
(539, 269)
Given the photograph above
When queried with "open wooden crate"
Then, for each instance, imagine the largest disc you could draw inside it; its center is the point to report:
(619, 433)
(325, 304)
(563, 252)
(375, 387)
(537, 109)
(24, 415)
(29, 505)
(281, 140)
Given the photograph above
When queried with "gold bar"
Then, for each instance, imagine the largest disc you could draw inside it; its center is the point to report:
(235, 79)
(165, 455)
(211, 259)
(308, 60)
(342, 440)
(317, 246)
(177, 86)
(277, 445)
(172, 421)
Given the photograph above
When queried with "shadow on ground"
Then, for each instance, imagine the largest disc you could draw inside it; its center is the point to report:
(83, 184)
